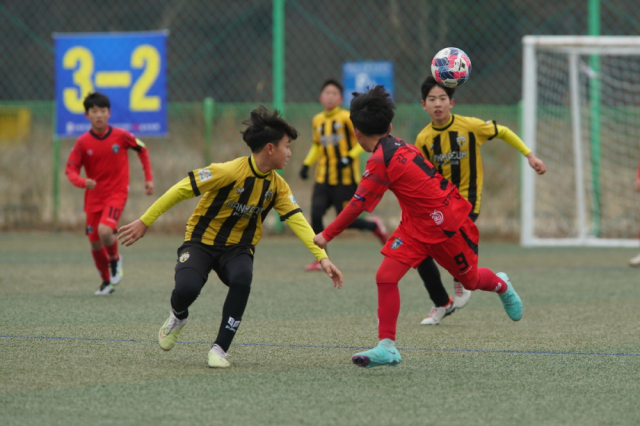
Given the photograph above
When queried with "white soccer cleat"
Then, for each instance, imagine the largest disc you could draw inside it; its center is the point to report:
(217, 358)
(170, 331)
(635, 262)
(115, 271)
(462, 295)
(439, 312)
(105, 289)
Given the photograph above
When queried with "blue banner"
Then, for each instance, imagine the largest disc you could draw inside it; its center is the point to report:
(130, 68)
(360, 76)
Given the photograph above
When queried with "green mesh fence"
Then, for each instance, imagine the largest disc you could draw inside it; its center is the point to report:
(223, 49)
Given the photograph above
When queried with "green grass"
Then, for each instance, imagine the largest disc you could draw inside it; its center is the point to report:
(70, 358)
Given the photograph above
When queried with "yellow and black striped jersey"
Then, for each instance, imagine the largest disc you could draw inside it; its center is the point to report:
(454, 149)
(236, 199)
(333, 135)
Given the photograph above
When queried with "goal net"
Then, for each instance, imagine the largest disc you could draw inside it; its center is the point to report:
(581, 116)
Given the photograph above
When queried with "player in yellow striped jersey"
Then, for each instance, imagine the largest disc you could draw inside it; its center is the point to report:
(226, 226)
(452, 143)
(338, 171)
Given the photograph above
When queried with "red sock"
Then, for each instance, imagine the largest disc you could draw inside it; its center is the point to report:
(389, 274)
(490, 281)
(112, 251)
(388, 310)
(102, 264)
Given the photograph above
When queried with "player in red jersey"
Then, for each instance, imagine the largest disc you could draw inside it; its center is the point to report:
(435, 222)
(102, 151)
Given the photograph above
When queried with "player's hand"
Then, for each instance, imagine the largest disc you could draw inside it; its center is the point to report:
(148, 187)
(333, 272)
(344, 162)
(129, 234)
(304, 172)
(320, 241)
(536, 164)
(637, 185)
(90, 183)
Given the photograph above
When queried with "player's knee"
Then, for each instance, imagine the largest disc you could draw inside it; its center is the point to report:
(240, 273)
(189, 283)
(106, 234)
(470, 282)
(241, 280)
(384, 276)
(96, 245)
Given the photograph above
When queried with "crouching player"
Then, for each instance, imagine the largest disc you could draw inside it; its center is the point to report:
(435, 222)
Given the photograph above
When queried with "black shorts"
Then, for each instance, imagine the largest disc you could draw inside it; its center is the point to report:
(337, 196)
(205, 258)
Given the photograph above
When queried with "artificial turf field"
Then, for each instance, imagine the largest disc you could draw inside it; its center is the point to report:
(68, 357)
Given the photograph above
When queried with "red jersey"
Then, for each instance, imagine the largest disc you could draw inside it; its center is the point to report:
(105, 160)
(432, 208)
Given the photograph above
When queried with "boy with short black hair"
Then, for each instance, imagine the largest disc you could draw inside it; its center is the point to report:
(102, 151)
(226, 226)
(338, 172)
(452, 144)
(434, 222)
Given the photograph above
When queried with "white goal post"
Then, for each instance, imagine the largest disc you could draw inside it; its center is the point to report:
(581, 116)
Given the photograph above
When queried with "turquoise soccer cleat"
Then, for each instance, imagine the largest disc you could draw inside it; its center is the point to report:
(510, 300)
(385, 353)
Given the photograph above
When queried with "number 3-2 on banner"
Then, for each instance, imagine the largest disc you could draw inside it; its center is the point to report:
(81, 61)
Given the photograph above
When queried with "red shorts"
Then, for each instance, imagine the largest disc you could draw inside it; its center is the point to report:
(458, 254)
(109, 216)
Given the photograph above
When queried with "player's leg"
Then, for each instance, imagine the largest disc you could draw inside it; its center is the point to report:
(443, 304)
(107, 231)
(462, 295)
(341, 195)
(98, 253)
(459, 256)
(238, 274)
(192, 271)
(389, 274)
(401, 252)
(320, 203)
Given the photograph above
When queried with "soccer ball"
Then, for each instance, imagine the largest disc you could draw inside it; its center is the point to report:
(451, 67)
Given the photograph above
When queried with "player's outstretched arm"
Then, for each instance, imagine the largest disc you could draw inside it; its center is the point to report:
(129, 234)
(536, 164)
(333, 272)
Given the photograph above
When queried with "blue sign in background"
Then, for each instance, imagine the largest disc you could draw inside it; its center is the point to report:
(359, 76)
(130, 68)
